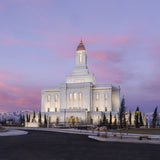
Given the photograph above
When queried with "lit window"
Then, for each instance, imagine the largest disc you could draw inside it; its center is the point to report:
(56, 98)
(80, 96)
(80, 58)
(75, 96)
(96, 108)
(105, 96)
(70, 97)
(48, 98)
(97, 97)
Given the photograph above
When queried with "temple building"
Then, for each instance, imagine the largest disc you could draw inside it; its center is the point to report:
(80, 100)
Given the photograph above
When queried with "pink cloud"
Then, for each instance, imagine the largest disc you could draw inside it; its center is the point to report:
(120, 39)
(88, 38)
(22, 98)
(105, 55)
(146, 91)
(5, 86)
(151, 89)
(13, 94)
(8, 40)
(156, 51)
(112, 40)
(104, 73)
(5, 75)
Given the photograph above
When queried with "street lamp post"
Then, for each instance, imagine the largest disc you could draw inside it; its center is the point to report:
(64, 116)
(127, 127)
(148, 121)
(47, 121)
(98, 126)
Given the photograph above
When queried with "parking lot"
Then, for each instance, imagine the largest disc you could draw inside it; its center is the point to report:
(51, 145)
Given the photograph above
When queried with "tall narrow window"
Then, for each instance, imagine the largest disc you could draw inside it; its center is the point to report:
(105, 96)
(48, 109)
(80, 96)
(80, 58)
(56, 98)
(70, 97)
(97, 96)
(96, 108)
(105, 109)
(48, 98)
(75, 96)
(55, 109)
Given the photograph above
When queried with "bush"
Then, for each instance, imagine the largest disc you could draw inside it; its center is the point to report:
(144, 137)
(104, 135)
(121, 137)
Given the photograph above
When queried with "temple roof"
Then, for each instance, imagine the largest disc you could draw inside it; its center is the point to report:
(81, 46)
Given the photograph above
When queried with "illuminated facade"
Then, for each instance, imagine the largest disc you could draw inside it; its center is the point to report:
(80, 100)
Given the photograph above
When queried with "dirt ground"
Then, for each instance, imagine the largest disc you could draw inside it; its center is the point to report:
(154, 131)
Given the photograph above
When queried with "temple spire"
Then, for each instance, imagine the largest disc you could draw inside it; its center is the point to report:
(81, 46)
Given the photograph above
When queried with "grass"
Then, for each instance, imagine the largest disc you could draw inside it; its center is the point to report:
(153, 131)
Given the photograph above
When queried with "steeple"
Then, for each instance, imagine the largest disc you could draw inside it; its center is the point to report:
(81, 57)
(81, 46)
(81, 72)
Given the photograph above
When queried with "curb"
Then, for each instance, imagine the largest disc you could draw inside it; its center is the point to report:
(13, 133)
(123, 140)
(5, 130)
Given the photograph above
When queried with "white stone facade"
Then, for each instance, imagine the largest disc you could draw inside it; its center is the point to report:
(79, 99)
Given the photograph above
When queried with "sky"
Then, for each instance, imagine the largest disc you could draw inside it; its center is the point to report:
(38, 40)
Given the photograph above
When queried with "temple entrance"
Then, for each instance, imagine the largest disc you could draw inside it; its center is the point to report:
(77, 120)
(72, 120)
(67, 120)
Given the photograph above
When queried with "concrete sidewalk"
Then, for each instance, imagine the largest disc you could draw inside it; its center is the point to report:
(13, 132)
(125, 140)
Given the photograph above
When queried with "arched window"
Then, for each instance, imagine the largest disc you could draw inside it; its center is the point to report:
(55, 98)
(80, 96)
(77, 120)
(80, 58)
(48, 98)
(75, 96)
(105, 96)
(97, 96)
(70, 97)
(67, 120)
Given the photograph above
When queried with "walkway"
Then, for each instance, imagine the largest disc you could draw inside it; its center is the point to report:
(12, 132)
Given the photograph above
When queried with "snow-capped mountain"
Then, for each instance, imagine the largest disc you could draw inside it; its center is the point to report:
(12, 115)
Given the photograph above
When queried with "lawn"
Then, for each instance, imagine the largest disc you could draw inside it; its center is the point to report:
(154, 131)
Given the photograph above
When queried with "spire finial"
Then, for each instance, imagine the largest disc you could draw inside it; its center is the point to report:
(81, 46)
